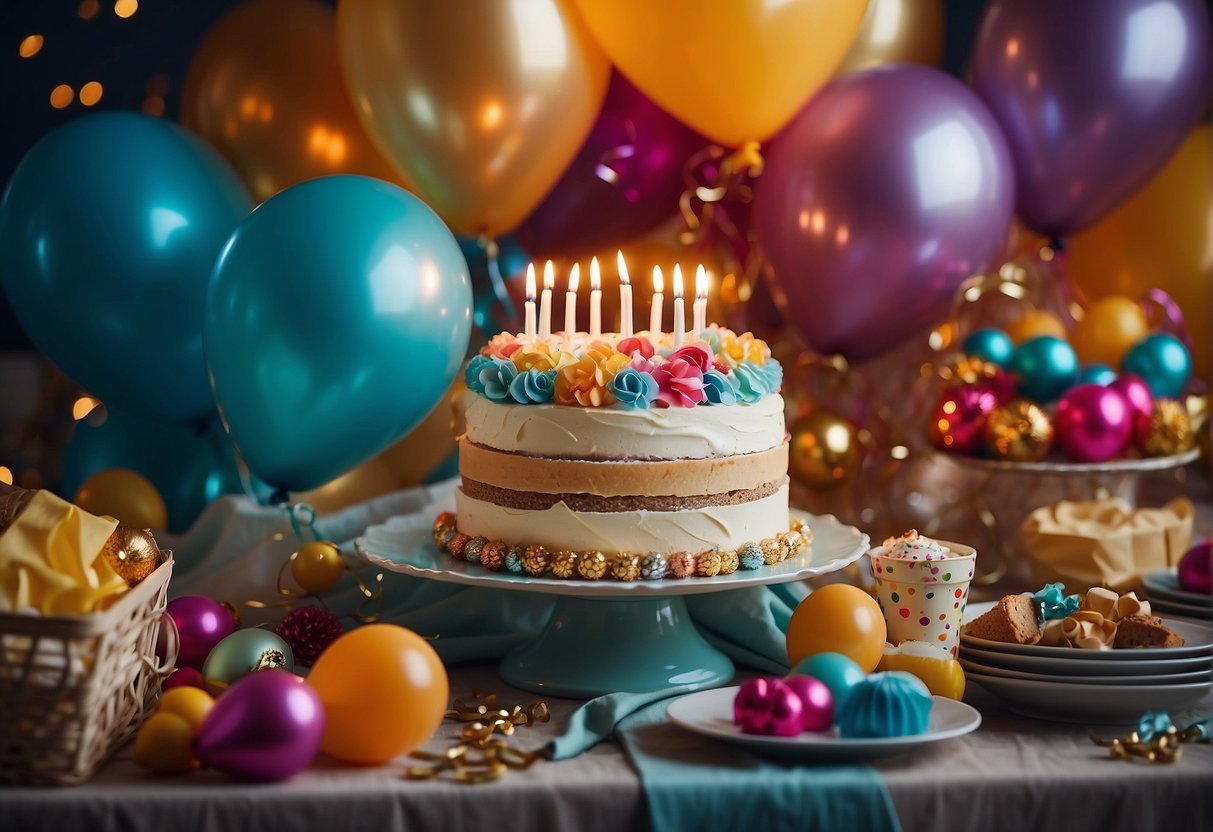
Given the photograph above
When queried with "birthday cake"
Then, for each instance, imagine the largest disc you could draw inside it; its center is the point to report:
(623, 456)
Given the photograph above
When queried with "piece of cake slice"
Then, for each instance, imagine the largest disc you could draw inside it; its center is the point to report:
(1145, 631)
(1013, 620)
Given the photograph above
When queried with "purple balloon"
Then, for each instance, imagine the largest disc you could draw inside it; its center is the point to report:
(201, 624)
(625, 180)
(1093, 95)
(888, 189)
(267, 726)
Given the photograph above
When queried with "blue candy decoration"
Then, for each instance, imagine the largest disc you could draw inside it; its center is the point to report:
(749, 556)
(653, 566)
(1163, 361)
(533, 386)
(634, 388)
(1100, 374)
(719, 388)
(837, 672)
(513, 560)
(1044, 368)
(891, 704)
(991, 345)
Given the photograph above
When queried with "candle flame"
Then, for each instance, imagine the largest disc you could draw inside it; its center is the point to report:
(677, 280)
(549, 275)
(658, 280)
(595, 275)
(574, 277)
(530, 282)
(701, 282)
(623, 269)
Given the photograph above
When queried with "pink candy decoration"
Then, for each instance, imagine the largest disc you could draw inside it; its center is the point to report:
(1140, 400)
(817, 701)
(769, 707)
(1196, 569)
(1093, 423)
(679, 383)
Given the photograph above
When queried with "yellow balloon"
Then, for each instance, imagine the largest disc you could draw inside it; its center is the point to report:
(482, 103)
(165, 745)
(1035, 323)
(1162, 237)
(897, 31)
(735, 71)
(264, 88)
(824, 450)
(125, 495)
(1109, 329)
(190, 703)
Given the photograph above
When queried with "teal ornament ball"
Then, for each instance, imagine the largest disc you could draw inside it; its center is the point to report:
(1044, 368)
(891, 704)
(989, 344)
(1163, 361)
(1100, 374)
(244, 652)
(837, 672)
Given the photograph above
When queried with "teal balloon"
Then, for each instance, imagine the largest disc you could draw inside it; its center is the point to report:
(1100, 374)
(109, 229)
(244, 652)
(1044, 368)
(190, 465)
(1163, 361)
(493, 309)
(837, 672)
(991, 345)
(339, 313)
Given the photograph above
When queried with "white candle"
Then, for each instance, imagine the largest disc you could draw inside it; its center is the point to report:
(655, 309)
(625, 298)
(529, 330)
(701, 301)
(570, 303)
(595, 300)
(680, 321)
(545, 301)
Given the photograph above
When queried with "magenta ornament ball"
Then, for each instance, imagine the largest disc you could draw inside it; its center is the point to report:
(768, 706)
(817, 703)
(1196, 569)
(1139, 398)
(201, 624)
(959, 422)
(1093, 423)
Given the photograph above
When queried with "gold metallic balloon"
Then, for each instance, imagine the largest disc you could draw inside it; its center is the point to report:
(317, 566)
(126, 495)
(1168, 431)
(132, 553)
(824, 450)
(482, 103)
(1019, 431)
(897, 31)
(264, 88)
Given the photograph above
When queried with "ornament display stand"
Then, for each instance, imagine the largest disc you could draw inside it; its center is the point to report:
(609, 636)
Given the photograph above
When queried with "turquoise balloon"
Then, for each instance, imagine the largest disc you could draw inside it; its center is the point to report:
(1163, 361)
(1044, 368)
(1100, 374)
(339, 313)
(991, 345)
(109, 229)
(837, 672)
(244, 652)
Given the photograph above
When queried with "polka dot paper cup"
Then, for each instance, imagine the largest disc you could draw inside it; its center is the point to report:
(924, 600)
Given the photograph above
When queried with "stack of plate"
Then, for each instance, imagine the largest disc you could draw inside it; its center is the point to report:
(1092, 686)
(1166, 598)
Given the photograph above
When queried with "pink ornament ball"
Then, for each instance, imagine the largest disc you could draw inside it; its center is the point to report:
(769, 707)
(1093, 423)
(184, 677)
(816, 700)
(1140, 400)
(201, 624)
(1196, 569)
(959, 423)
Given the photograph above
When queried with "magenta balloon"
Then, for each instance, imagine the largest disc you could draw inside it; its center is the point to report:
(888, 189)
(267, 726)
(1093, 95)
(625, 180)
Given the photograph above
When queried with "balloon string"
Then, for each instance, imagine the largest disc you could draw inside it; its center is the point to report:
(493, 253)
(717, 182)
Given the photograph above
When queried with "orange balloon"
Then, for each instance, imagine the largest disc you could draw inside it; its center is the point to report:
(897, 31)
(1162, 237)
(384, 691)
(264, 88)
(838, 618)
(1035, 323)
(126, 495)
(1109, 329)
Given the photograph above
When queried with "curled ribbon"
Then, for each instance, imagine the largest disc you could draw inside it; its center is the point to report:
(1054, 604)
(1156, 739)
(480, 755)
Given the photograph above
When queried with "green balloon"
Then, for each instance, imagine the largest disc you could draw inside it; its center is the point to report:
(243, 652)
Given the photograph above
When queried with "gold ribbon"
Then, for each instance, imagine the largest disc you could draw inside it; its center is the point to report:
(480, 755)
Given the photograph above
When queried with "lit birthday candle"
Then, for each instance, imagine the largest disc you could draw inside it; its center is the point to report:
(701, 301)
(545, 301)
(529, 327)
(680, 321)
(655, 309)
(625, 298)
(595, 300)
(570, 303)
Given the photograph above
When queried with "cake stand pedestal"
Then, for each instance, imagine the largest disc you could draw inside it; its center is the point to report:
(608, 636)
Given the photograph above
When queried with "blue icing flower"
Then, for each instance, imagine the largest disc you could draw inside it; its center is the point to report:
(711, 335)
(773, 371)
(752, 382)
(1054, 603)
(634, 388)
(533, 386)
(718, 388)
(471, 373)
(495, 379)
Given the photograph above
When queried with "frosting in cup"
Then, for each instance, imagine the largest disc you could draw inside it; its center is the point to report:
(913, 546)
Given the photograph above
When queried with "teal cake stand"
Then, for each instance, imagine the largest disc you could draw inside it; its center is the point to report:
(608, 636)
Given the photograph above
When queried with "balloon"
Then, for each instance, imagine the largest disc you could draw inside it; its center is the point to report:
(384, 690)
(165, 745)
(491, 311)
(897, 31)
(837, 672)
(266, 727)
(1163, 361)
(991, 345)
(339, 313)
(1093, 96)
(733, 71)
(1108, 329)
(1093, 423)
(1036, 323)
(201, 624)
(109, 228)
(243, 652)
(264, 88)
(482, 105)
(824, 450)
(1045, 367)
(190, 703)
(888, 189)
(317, 566)
(838, 618)
(125, 495)
(626, 179)
(1162, 237)
(367, 481)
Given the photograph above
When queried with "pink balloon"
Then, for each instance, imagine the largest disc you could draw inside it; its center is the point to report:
(267, 726)
(1093, 423)
(889, 188)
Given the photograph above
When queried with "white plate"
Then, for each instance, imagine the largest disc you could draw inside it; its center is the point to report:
(1107, 704)
(1205, 675)
(710, 713)
(1164, 607)
(404, 544)
(1164, 585)
(1087, 667)
(1198, 641)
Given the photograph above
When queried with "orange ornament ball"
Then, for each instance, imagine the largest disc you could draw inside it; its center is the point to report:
(1035, 323)
(1108, 330)
(838, 618)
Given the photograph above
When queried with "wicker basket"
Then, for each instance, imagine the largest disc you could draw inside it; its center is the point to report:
(75, 688)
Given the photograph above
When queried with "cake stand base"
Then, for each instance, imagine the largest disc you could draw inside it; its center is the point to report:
(597, 646)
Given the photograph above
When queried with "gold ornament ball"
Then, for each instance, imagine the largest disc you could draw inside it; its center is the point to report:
(132, 553)
(1034, 324)
(1019, 431)
(317, 566)
(126, 495)
(824, 450)
(1169, 430)
(1109, 329)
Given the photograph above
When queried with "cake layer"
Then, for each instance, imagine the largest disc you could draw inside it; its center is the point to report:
(633, 502)
(605, 478)
(559, 527)
(625, 433)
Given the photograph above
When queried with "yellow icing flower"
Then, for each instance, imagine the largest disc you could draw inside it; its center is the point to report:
(745, 347)
(587, 381)
(534, 357)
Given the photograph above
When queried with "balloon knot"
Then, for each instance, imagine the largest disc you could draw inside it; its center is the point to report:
(745, 159)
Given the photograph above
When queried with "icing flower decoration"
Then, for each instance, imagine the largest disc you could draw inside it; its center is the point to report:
(495, 379)
(533, 386)
(634, 388)
(697, 354)
(752, 382)
(502, 345)
(1054, 603)
(630, 346)
(471, 373)
(645, 365)
(774, 373)
(679, 383)
(587, 381)
(735, 349)
(710, 335)
(534, 357)
(718, 388)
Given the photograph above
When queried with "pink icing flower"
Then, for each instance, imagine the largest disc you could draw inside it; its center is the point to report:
(502, 345)
(697, 353)
(630, 346)
(644, 365)
(679, 384)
